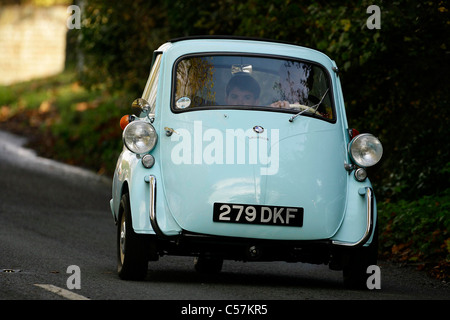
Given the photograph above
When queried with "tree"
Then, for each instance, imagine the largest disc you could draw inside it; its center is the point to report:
(118, 39)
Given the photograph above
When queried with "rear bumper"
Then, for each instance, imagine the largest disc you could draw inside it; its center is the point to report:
(367, 192)
(322, 251)
(370, 212)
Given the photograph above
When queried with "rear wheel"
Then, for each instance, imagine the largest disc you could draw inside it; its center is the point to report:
(132, 258)
(207, 264)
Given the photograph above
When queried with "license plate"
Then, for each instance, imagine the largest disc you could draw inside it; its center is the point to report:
(258, 214)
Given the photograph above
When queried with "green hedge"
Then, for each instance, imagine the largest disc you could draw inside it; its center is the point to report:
(417, 231)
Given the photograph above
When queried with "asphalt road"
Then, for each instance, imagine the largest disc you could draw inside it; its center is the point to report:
(54, 217)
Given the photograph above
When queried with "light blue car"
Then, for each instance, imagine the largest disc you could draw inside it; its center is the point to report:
(240, 150)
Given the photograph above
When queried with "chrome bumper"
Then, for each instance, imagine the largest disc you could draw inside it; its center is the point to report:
(151, 180)
(368, 192)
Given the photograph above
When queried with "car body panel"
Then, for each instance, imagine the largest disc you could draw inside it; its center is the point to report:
(309, 172)
(286, 181)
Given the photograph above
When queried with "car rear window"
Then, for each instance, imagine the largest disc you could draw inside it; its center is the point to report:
(252, 82)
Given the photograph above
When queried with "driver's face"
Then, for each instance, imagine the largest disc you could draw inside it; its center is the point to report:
(241, 97)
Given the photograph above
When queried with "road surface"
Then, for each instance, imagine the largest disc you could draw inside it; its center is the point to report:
(57, 242)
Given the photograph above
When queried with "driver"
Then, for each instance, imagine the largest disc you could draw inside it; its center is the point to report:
(242, 89)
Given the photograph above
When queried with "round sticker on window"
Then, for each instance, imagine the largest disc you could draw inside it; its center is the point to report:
(183, 103)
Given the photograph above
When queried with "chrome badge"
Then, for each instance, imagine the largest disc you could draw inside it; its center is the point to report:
(258, 129)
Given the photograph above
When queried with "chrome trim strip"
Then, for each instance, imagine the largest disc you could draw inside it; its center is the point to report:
(369, 208)
(152, 212)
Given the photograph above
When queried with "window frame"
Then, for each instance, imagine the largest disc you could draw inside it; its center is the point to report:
(151, 88)
(251, 108)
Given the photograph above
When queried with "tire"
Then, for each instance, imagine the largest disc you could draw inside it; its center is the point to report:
(357, 262)
(132, 261)
(208, 265)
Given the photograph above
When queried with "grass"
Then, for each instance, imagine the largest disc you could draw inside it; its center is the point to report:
(66, 121)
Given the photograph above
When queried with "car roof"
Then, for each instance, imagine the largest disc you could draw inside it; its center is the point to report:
(234, 37)
(226, 43)
(228, 37)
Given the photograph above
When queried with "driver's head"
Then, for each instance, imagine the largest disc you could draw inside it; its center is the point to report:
(242, 89)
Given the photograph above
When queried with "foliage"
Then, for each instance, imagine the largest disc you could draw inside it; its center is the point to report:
(417, 231)
(65, 121)
(117, 41)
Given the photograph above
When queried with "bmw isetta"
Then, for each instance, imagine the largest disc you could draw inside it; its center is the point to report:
(239, 149)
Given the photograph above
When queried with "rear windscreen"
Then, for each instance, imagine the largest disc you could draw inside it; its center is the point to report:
(252, 82)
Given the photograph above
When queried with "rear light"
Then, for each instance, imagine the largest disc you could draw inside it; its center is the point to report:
(352, 133)
(126, 119)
